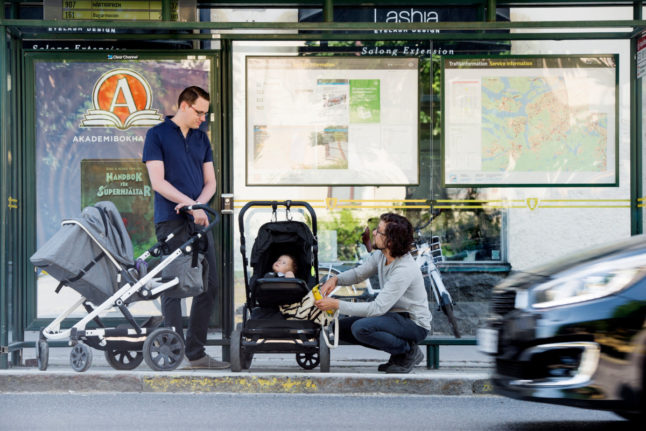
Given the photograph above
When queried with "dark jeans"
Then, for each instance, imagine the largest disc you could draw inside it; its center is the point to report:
(391, 332)
(202, 305)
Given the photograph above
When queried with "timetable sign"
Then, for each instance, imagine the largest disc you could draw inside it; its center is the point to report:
(116, 10)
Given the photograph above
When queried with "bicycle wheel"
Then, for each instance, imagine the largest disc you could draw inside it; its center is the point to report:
(354, 292)
(445, 301)
(326, 272)
(448, 311)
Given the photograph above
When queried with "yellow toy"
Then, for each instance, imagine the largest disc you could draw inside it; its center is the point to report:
(317, 295)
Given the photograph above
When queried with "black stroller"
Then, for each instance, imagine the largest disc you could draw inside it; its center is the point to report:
(276, 335)
(93, 255)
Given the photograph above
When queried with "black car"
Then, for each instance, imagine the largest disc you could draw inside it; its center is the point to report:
(573, 332)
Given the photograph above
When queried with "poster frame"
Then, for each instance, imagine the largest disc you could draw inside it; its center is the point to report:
(613, 145)
(34, 320)
(329, 180)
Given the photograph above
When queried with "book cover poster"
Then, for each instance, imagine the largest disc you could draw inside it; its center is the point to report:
(125, 183)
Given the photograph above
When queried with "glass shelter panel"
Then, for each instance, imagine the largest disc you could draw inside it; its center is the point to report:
(344, 203)
(91, 118)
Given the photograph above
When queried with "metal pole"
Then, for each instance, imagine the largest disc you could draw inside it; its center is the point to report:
(4, 145)
(636, 128)
(491, 10)
(166, 12)
(328, 11)
(228, 278)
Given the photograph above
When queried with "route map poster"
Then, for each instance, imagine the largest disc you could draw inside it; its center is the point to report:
(332, 120)
(530, 121)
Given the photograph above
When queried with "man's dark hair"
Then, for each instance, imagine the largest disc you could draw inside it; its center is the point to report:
(191, 94)
(399, 234)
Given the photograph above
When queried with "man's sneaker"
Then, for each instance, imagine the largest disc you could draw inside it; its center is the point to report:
(385, 365)
(405, 365)
(208, 363)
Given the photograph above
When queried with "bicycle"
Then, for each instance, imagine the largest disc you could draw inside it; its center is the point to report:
(426, 255)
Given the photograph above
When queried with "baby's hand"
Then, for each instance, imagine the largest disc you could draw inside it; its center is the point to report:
(289, 274)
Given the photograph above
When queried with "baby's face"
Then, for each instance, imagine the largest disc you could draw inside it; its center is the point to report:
(283, 264)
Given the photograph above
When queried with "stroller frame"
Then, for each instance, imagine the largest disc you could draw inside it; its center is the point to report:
(125, 348)
(304, 338)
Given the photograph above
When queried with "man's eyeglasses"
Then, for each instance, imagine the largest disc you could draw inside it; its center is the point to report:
(379, 233)
(199, 113)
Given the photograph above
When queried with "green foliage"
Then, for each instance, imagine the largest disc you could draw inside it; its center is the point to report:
(348, 233)
(467, 231)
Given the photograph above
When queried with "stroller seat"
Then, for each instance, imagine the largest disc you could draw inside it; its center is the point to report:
(275, 291)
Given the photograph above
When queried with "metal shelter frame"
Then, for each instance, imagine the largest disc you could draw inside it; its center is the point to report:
(17, 213)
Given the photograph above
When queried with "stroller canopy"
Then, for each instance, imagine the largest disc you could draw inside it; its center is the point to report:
(284, 237)
(78, 255)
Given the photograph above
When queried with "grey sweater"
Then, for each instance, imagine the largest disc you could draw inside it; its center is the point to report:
(402, 289)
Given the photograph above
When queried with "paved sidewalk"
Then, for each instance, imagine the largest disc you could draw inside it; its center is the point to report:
(463, 371)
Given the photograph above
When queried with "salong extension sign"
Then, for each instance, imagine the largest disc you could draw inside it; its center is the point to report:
(530, 121)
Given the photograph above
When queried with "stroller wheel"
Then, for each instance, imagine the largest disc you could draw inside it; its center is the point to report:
(123, 360)
(324, 354)
(240, 360)
(308, 361)
(163, 350)
(42, 354)
(80, 357)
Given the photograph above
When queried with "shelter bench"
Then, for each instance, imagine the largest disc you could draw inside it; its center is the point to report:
(433, 343)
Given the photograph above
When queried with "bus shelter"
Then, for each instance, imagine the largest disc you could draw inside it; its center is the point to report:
(512, 130)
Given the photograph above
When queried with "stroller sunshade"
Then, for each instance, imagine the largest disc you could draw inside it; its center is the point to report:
(89, 266)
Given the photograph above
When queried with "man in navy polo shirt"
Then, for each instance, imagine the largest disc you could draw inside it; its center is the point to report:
(179, 160)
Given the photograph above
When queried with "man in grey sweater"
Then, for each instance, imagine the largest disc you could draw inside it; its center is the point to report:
(399, 317)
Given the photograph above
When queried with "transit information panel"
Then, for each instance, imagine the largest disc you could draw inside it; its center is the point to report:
(530, 121)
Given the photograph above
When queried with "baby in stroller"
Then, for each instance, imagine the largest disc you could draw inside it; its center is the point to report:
(285, 266)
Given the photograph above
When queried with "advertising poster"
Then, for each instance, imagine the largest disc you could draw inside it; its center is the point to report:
(91, 119)
(91, 122)
(332, 121)
(125, 182)
(530, 120)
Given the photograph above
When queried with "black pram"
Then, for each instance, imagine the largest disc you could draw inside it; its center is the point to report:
(276, 335)
(93, 255)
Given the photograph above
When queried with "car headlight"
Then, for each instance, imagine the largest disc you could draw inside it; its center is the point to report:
(591, 282)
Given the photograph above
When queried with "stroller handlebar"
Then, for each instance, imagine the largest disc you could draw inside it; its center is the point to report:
(213, 215)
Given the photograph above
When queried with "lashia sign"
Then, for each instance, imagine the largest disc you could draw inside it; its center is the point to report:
(405, 15)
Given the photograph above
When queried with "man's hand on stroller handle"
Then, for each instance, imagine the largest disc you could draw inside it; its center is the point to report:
(199, 216)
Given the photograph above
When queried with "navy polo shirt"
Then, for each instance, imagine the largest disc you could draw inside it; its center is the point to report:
(183, 161)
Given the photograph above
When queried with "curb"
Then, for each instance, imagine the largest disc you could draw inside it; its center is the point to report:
(467, 384)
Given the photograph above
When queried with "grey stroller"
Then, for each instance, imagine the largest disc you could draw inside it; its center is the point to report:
(93, 255)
